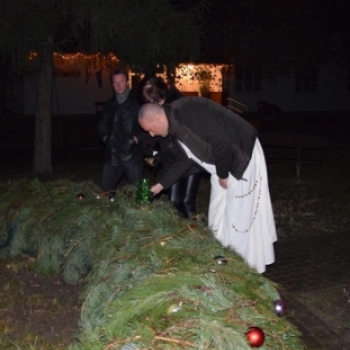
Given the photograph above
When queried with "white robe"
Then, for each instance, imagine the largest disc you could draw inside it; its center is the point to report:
(241, 216)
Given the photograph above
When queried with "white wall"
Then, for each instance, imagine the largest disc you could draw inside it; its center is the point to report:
(332, 95)
(71, 95)
(78, 95)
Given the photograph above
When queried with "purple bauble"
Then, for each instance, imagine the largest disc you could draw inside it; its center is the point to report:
(280, 307)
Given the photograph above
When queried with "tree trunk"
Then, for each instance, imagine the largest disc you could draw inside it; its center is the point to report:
(43, 129)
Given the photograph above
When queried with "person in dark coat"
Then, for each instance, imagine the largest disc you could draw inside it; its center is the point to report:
(117, 127)
(181, 193)
(227, 147)
(268, 113)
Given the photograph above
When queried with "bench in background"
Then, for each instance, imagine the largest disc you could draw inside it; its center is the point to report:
(295, 142)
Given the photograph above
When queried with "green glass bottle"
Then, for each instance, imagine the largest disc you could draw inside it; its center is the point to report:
(143, 193)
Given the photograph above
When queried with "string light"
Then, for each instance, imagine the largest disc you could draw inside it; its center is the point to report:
(98, 55)
(32, 55)
(186, 74)
(70, 56)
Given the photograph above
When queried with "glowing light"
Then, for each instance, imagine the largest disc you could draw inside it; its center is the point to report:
(80, 55)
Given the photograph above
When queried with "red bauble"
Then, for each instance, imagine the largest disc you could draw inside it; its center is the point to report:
(255, 336)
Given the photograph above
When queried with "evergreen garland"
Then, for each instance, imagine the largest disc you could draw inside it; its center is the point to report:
(152, 280)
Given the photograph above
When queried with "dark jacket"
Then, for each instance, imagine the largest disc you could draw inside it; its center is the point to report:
(117, 127)
(213, 133)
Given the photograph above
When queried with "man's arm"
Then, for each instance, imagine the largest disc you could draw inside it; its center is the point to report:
(174, 173)
(157, 189)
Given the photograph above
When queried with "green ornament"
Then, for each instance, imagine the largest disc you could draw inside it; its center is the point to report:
(143, 193)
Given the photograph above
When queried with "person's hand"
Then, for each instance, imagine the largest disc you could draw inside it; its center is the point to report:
(150, 161)
(156, 189)
(223, 182)
(153, 161)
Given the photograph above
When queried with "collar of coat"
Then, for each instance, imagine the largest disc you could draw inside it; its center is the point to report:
(180, 131)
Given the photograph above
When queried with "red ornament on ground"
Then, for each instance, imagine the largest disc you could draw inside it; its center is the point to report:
(280, 307)
(255, 336)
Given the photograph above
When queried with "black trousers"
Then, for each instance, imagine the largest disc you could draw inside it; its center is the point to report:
(183, 195)
(111, 175)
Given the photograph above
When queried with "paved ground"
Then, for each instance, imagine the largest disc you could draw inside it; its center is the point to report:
(306, 265)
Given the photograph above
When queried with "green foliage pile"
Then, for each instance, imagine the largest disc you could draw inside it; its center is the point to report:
(151, 278)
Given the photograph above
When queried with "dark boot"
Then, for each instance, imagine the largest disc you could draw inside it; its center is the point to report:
(190, 193)
(175, 193)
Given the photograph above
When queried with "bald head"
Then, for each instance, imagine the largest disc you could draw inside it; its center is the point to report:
(150, 110)
(152, 119)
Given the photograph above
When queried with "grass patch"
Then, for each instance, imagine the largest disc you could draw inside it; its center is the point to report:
(332, 305)
(319, 204)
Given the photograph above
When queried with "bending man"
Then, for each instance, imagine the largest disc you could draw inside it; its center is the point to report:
(226, 146)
